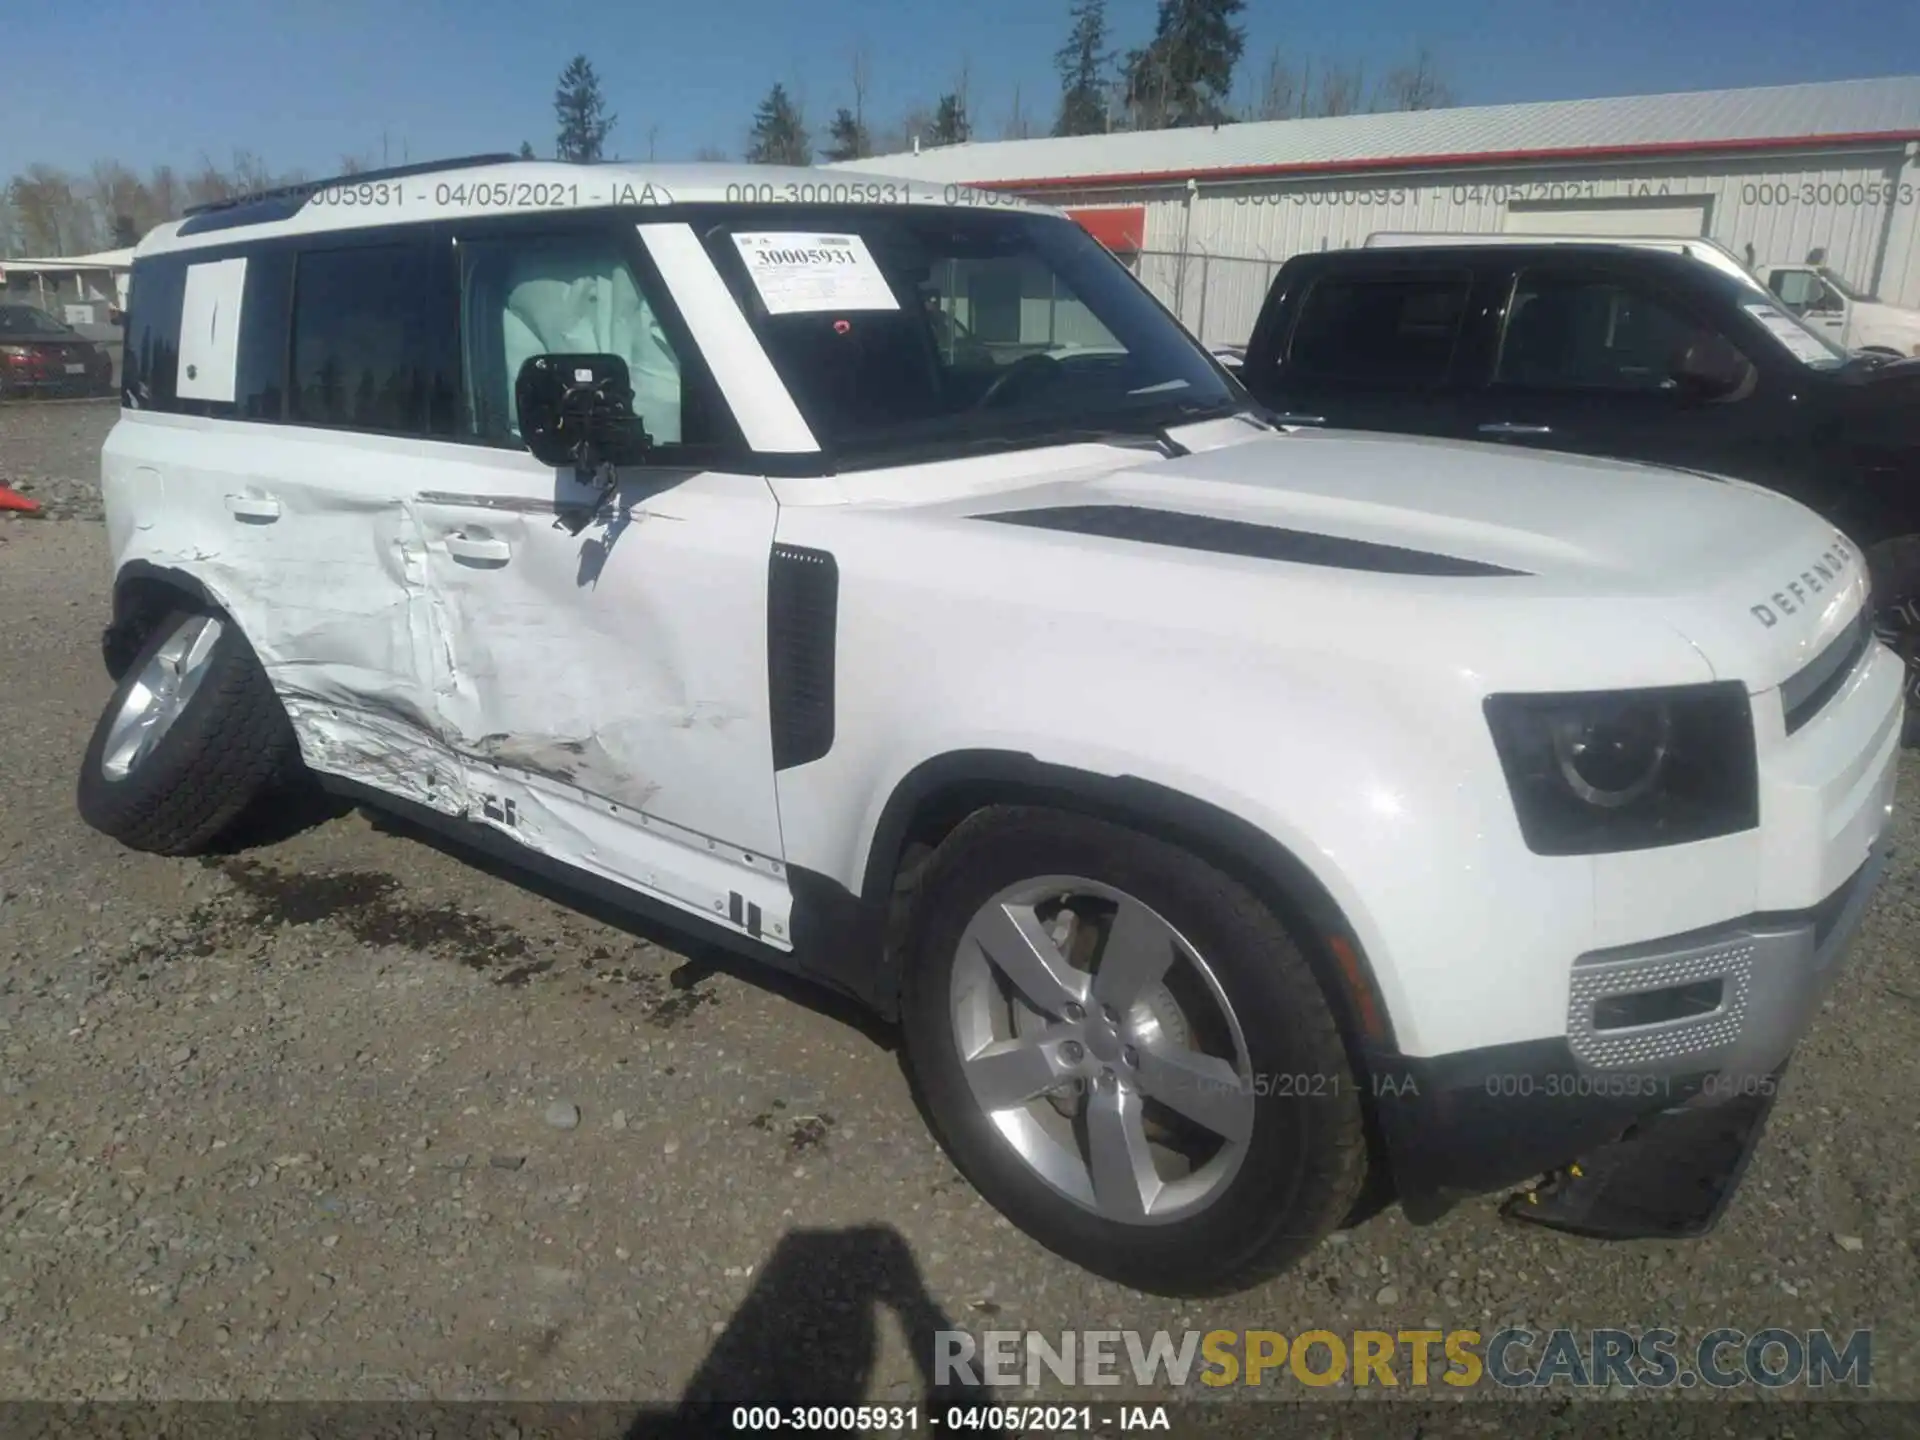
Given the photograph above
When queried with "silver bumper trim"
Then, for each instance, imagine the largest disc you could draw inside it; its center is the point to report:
(1774, 971)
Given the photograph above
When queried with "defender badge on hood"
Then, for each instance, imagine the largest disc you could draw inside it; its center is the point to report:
(1826, 569)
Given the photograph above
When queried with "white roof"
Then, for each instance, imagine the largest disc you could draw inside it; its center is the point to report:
(542, 186)
(1859, 112)
(102, 260)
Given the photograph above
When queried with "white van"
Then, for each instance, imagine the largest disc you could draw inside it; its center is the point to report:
(1834, 308)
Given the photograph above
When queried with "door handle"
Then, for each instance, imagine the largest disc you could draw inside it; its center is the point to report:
(253, 507)
(482, 552)
(1509, 427)
(1287, 417)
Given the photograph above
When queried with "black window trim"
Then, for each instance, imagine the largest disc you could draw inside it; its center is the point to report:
(818, 464)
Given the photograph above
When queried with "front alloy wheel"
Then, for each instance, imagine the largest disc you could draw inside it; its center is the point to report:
(1126, 1052)
(1099, 1043)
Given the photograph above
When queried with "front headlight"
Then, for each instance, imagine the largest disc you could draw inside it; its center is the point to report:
(1628, 769)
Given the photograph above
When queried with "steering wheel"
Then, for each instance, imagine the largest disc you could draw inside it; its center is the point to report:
(1018, 373)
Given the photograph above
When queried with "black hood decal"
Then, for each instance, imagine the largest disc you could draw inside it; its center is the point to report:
(1238, 537)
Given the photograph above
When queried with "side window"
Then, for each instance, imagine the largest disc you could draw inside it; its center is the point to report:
(1387, 329)
(260, 386)
(1590, 331)
(156, 290)
(259, 362)
(375, 343)
(576, 293)
(1797, 289)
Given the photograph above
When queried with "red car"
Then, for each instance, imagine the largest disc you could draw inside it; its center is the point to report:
(41, 356)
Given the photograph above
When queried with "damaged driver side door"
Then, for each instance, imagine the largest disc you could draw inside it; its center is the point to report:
(600, 662)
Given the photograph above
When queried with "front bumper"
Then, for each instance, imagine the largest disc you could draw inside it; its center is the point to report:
(1489, 1119)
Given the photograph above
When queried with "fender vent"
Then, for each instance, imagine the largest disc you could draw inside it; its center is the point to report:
(1237, 537)
(803, 600)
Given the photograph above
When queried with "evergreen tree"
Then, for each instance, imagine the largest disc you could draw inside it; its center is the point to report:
(1184, 76)
(850, 139)
(582, 113)
(950, 123)
(779, 135)
(526, 151)
(1083, 63)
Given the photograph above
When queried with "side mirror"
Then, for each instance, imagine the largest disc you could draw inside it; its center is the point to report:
(1709, 367)
(578, 410)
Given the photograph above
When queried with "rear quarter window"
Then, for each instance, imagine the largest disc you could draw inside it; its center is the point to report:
(1379, 329)
(155, 289)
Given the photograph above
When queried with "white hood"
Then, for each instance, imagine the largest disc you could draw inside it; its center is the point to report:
(1886, 327)
(1756, 581)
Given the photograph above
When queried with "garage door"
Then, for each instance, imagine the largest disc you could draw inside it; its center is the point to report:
(1675, 216)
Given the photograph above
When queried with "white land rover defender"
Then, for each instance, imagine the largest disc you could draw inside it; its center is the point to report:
(1244, 827)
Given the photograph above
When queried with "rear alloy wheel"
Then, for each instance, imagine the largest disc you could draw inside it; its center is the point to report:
(1896, 617)
(192, 734)
(1126, 1054)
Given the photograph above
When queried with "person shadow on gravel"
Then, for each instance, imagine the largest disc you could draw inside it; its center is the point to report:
(807, 1334)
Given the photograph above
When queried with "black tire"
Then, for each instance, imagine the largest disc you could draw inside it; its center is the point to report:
(230, 742)
(1306, 1160)
(1895, 565)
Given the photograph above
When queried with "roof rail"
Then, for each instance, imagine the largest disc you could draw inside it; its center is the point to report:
(303, 188)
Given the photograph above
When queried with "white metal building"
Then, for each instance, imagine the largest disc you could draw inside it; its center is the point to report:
(1207, 215)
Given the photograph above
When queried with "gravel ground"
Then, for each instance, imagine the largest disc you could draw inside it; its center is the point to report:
(338, 1115)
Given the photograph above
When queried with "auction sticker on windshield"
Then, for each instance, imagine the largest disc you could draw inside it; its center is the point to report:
(1789, 332)
(796, 273)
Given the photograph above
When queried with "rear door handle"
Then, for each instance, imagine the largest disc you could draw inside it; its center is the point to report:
(1287, 417)
(1509, 427)
(253, 507)
(479, 552)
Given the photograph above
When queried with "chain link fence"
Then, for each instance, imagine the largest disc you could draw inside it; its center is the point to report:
(1217, 297)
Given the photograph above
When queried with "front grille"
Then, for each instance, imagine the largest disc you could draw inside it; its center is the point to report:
(1807, 692)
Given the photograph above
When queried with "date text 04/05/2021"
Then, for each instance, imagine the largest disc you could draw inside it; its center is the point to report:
(961, 1419)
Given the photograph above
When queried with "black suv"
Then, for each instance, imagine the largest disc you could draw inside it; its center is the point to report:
(1609, 350)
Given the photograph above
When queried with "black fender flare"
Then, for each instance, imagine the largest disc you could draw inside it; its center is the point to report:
(139, 588)
(1222, 838)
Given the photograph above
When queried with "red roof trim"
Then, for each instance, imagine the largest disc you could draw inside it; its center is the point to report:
(1470, 157)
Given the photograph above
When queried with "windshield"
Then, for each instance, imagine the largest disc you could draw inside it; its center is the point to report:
(936, 330)
(26, 320)
(1837, 283)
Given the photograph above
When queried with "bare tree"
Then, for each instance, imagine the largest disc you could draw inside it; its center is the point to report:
(1019, 125)
(123, 210)
(163, 189)
(51, 215)
(1415, 85)
(1340, 90)
(711, 155)
(1280, 90)
(916, 123)
(862, 77)
(962, 86)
